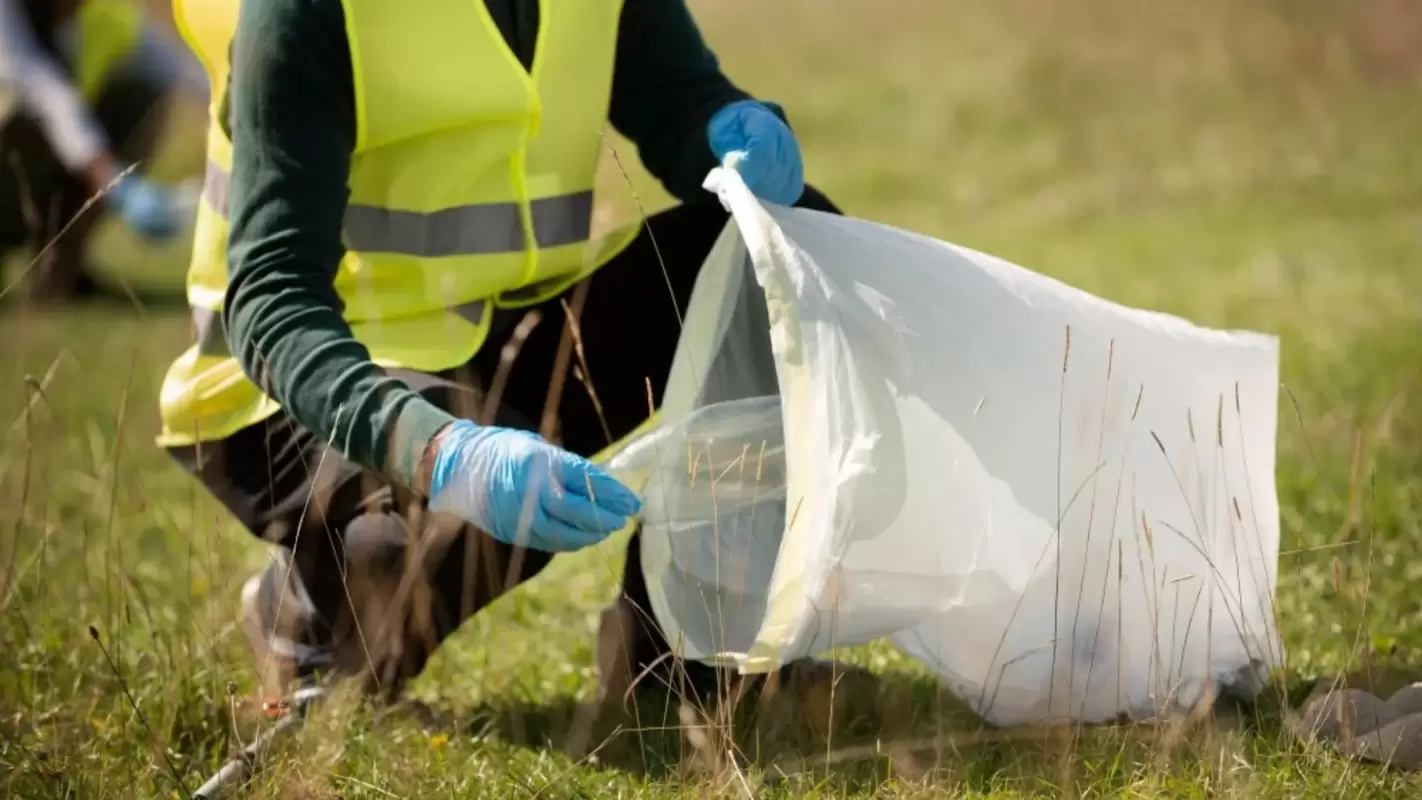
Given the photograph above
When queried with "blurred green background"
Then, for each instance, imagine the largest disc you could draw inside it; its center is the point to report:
(1252, 165)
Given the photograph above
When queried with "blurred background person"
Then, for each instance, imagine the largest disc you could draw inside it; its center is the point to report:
(83, 85)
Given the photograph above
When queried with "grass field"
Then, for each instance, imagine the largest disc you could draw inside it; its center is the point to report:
(1244, 165)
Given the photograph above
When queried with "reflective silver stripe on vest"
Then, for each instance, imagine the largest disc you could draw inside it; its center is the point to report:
(534, 291)
(212, 341)
(478, 229)
(217, 188)
(473, 312)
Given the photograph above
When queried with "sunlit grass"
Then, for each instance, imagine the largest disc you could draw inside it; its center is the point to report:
(1244, 167)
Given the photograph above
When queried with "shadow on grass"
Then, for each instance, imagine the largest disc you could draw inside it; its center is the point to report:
(874, 727)
(831, 722)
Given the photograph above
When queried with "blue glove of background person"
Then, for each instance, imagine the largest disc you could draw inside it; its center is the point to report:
(522, 490)
(770, 163)
(145, 207)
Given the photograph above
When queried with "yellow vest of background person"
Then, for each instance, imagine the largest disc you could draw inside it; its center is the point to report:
(471, 187)
(108, 30)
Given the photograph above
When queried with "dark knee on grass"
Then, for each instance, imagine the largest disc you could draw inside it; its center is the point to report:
(376, 544)
(349, 587)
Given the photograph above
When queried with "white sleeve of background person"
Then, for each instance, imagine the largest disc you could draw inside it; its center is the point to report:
(870, 433)
(46, 92)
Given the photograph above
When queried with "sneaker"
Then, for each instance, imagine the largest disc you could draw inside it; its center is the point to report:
(280, 629)
(293, 641)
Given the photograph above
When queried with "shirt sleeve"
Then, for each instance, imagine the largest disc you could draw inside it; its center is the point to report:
(46, 92)
(666, 86)
(292, 119)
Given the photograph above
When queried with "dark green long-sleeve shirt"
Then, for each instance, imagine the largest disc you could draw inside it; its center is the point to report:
(291, 114)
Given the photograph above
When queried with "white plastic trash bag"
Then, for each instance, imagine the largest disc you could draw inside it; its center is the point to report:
(1064, 507)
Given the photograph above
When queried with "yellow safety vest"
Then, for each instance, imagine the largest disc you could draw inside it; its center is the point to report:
(471, 187)
(108, 30)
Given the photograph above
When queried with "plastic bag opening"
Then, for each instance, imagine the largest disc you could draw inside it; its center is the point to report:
(1063, 507)
(712, 474)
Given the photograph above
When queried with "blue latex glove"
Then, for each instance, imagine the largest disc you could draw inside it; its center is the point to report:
(770, 161)
(145, 207)
(522, 490)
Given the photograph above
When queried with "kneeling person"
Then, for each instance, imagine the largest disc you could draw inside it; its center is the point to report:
(392, 187)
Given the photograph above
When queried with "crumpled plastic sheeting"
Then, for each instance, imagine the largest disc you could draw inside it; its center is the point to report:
(1064, 507)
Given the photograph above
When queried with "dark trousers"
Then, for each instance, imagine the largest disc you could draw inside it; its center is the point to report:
(351, 532)
(39, 196)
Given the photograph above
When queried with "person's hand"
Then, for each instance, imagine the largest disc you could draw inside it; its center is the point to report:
(522, 490)
(769, 155)
(145, 207)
